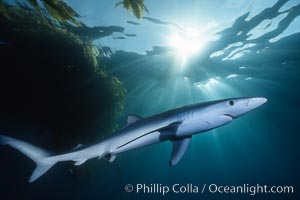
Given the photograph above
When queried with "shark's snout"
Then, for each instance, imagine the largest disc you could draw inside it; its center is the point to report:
(238, 107)
(255, 102)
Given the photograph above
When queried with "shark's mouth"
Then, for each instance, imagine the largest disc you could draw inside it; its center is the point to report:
(228, 115)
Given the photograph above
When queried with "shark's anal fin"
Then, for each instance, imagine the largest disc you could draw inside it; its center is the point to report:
(179, 149)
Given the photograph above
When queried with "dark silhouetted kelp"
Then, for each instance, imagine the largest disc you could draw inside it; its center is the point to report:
(92, 33)
(134, 6)
(52, 78)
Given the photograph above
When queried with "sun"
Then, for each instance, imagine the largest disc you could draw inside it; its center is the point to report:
(187, 43)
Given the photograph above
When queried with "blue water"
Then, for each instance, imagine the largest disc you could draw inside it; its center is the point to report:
(247, 49)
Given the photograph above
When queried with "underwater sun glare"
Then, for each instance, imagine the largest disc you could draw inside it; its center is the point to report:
(186, 43)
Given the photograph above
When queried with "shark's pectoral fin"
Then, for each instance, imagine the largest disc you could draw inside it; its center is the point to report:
(179, 149)
(169, 131)
(79, 161)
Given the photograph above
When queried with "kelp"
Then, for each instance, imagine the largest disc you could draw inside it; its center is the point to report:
(61, 12)
(3, 9)
(57, 9)
(134, 6)
(93, 33)
(51, 76)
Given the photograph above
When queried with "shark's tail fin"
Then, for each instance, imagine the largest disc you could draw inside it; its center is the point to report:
(39, 156)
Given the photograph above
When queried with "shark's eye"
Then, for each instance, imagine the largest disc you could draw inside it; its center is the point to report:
(231, 102)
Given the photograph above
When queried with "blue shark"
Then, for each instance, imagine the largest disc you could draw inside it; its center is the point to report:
(177, 125)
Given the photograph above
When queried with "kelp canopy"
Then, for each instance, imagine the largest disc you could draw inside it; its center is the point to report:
(52, 78)
(54, 10)
(134, 6)
(59, 11)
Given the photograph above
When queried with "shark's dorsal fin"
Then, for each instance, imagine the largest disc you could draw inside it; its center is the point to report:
(132, 119)
(179, 149)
